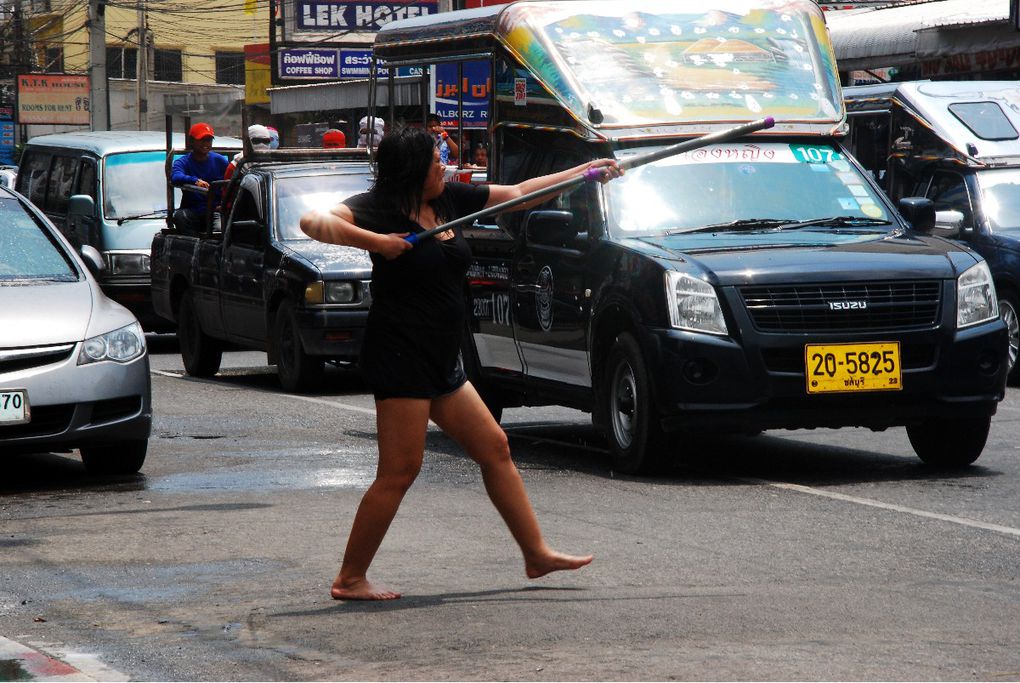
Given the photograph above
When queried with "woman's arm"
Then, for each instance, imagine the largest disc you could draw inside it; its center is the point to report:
(504, 193)
(336, 226)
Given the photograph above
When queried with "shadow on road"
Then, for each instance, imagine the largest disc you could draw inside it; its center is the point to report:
(59, 472)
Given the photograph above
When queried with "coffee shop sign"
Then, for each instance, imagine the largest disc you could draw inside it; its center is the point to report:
(326, 15)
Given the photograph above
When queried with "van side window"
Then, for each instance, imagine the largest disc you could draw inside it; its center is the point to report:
(32, 177)
(949, 193)
(86, 179)
(61, 182)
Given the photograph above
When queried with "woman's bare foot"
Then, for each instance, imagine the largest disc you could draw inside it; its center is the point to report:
(360, 589)
(554, 562)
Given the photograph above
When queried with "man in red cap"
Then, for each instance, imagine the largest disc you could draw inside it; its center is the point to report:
(200, 167)
(333, 139)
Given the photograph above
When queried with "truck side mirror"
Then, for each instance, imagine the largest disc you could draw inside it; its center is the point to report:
(948, 223)
(81, 206)
(550, 228)
(919, 212)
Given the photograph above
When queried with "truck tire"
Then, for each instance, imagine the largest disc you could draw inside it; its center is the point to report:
(949, 443)
(298, 371)
(1009, 311)
(200, 352)
(636, 440)
(125, 457)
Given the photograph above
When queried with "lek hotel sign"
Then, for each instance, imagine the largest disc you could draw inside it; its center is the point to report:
(325, 15)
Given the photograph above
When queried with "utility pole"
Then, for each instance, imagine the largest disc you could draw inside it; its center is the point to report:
(142, 70)
(99, 96)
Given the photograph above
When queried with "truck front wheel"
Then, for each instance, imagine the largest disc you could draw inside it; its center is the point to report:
(636, 440)
(298, 371)
(200, 352)
(1009, 311)
(949, 443)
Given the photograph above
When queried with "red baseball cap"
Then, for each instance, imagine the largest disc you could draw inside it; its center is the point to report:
(201, 130)
(334, 138)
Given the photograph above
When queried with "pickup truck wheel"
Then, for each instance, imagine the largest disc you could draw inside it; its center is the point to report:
(125, 457)
(200, 352)
(636, 440)
(1009, 311)
(298, 371)
(949, 443)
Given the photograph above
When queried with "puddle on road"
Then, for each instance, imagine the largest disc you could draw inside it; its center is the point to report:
(261, 480)
(10, 670)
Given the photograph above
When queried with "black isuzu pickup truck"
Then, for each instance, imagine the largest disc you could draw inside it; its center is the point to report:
(765, 283)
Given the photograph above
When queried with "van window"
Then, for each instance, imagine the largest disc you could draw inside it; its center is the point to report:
(61, 182)
(985, 119)
(1000, 197)
(32, 177)
(87, 179)
(134, 184)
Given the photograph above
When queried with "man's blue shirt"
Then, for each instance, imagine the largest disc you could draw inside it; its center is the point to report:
(187, 170)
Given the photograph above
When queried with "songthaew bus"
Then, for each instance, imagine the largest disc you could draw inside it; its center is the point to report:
(745, 285)
(958, 144)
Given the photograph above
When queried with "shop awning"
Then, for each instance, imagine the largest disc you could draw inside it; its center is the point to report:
(336, 95)
(894, 36)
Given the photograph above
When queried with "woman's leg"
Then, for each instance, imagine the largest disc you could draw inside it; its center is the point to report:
(465, 418)
(401, 423)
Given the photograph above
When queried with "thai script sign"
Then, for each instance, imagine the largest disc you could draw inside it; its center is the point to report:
(476, 86)
(331, 15)
(358, 64)
(310, 63)
(53, 99)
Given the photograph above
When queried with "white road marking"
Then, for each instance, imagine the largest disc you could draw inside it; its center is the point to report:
(309, 399)
(963, 521)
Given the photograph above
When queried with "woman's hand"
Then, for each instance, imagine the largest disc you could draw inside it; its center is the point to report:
(609, 169)
(392, 245)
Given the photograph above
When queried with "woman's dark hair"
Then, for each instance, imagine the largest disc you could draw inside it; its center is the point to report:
(404, 159)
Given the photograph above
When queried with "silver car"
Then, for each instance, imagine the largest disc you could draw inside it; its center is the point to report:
(74, 371)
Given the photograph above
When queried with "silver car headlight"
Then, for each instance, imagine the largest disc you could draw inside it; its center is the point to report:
(127, 264)
(693, 304)
(975, 296)
(119, 346)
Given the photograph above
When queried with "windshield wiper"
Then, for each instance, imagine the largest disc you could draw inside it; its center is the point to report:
(151, 214)
(733, 226)
(837, 222)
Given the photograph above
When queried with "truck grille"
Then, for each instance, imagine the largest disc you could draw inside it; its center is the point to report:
(843, 307)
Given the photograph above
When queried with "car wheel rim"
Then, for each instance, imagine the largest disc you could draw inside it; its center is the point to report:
(1009, 316)
(624, 404)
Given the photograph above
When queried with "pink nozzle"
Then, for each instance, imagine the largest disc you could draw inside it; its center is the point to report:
(593, 174)
(769, 122)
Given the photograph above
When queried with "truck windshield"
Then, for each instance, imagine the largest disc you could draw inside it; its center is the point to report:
(749, 185)
(1000, 197)
(298, 194)
(27, 252)
(134, 184)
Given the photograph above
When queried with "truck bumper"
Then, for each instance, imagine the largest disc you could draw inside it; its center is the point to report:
(334, 333)
(706, 383)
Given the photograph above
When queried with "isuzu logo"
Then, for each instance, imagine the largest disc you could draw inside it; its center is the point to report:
(847, 305)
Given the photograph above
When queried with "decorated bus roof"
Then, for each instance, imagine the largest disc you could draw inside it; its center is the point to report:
(645, 66)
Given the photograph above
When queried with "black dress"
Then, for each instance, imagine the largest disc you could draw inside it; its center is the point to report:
(412, 344)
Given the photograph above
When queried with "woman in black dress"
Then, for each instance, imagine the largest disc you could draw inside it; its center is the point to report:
(411, 352)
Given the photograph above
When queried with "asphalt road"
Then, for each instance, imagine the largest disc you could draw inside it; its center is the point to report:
(789, 556)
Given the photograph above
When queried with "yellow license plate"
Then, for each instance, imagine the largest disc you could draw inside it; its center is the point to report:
(833, 368)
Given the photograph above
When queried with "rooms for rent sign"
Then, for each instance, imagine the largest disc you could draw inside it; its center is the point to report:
(53, 99)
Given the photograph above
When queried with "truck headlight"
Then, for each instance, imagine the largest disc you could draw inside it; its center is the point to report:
(975, 296)
(127, 264)
(693, 304)
(119, 346)
(331, 293)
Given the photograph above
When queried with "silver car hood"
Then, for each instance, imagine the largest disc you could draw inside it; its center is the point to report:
(37, 314)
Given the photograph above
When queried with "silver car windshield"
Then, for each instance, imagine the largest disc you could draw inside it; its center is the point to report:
(745, 184)
(1000, 197)
(27, 251)
(134, 184)
(297, 195)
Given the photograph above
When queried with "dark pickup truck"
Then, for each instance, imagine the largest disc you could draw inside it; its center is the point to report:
(261, 283)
